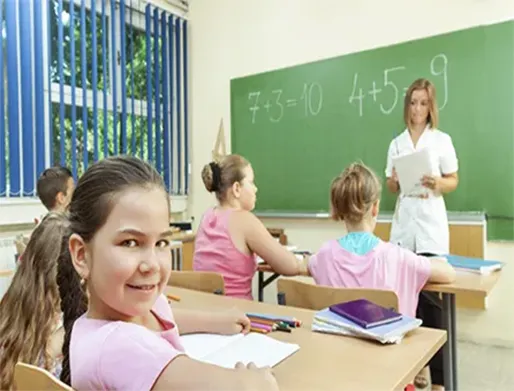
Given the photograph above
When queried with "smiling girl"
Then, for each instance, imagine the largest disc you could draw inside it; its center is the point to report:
(127, 336)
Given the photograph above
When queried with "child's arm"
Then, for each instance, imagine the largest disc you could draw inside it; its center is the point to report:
(186, 374)
(441, 271)
(226, 322)
(260, 241)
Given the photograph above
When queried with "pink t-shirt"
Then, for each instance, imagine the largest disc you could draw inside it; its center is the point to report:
(215, 252)
(387, 266)
(106, 355)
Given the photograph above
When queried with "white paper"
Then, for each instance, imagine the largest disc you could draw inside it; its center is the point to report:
(226, 351)
(410, 170)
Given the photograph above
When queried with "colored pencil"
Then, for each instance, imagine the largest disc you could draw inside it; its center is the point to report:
(173, 297)
(259, 330)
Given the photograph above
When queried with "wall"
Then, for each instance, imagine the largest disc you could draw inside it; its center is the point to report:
(233, 38)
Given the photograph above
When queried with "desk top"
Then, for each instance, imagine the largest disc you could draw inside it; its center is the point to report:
(6, 273)
(465, 282)
(183, 236)
(328, 362)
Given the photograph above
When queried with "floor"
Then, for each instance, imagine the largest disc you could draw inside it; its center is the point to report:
(485, 338)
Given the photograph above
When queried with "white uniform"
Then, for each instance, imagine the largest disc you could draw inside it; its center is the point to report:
(421, 224)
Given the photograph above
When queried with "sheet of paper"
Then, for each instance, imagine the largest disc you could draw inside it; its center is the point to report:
(198, 346)
(227, 351)
(410, 170)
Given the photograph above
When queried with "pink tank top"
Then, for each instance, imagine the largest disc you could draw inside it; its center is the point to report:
(215, 252)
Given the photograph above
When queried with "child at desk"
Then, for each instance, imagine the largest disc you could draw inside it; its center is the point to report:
(359, 259)
(127, 336)
(230, 235)
(30, 317)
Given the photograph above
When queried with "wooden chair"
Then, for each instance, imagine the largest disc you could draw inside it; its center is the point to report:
(315, 297)
(31, 378)
(209, 282)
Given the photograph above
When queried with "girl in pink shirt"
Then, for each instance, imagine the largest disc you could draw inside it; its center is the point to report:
(359, 259)
(124, 334)
(229, 235)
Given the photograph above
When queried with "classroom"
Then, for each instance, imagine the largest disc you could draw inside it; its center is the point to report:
(215, 55)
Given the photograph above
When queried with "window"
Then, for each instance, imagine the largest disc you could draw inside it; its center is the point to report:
(109, 77)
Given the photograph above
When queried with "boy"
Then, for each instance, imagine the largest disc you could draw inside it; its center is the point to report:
(55, 187)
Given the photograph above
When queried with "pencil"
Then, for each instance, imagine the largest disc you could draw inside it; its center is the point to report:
(172, 297)
(267, 327)
(262, 321)
(259, 330)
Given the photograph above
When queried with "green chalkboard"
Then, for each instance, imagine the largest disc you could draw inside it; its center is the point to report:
(300, 126)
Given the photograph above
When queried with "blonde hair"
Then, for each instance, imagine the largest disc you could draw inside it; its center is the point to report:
(218, 177)
(353, 193)
(433, 112)
(30, 308)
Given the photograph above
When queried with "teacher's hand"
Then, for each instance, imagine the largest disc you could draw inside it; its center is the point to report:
(431, 182)
(395, 176)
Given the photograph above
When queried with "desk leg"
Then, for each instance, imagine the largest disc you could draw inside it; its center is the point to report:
(450, 347)
(261, 286)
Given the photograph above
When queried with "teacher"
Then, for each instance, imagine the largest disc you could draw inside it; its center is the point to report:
(420, 221)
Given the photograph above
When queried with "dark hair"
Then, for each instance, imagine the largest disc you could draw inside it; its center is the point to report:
(353, 193)
(52, 181)
(92, 202)
(219, 177)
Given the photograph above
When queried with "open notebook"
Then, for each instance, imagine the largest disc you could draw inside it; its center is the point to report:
(226, 351)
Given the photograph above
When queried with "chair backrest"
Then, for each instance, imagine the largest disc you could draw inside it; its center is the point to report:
(31, 378)
(315, 297)
(209, 282)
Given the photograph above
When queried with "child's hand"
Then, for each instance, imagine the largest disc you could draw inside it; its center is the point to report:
(231, 322)
(262, 379)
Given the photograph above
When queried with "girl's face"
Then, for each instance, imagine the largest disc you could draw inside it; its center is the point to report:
(127, 263)
(246, 191)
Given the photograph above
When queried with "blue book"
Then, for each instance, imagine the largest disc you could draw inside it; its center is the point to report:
(476, 265)
(326, 321)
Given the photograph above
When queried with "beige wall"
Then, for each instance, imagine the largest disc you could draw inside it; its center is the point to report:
(233, 38)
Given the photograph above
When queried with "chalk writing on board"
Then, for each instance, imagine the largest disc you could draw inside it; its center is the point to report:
(388, 88)
(276, 102)
(439, 67)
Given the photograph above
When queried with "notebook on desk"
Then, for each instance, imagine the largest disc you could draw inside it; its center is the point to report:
(227, 350)
(475, 265)
(365, 313)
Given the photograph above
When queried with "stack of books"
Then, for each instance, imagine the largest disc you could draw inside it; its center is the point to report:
(474, 265)
(364, 319)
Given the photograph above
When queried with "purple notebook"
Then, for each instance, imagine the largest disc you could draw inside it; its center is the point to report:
(365, 313)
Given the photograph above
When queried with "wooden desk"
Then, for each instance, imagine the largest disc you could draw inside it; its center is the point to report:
(465, 283)
(329, 362)
(6, 273)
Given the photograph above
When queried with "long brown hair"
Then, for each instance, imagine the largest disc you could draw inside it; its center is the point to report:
(29, 310)
(92, 202)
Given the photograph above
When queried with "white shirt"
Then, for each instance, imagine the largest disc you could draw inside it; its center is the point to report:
(421, 224)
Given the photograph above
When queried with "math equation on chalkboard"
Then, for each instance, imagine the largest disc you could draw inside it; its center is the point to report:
(385, 94)
(275, 104)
